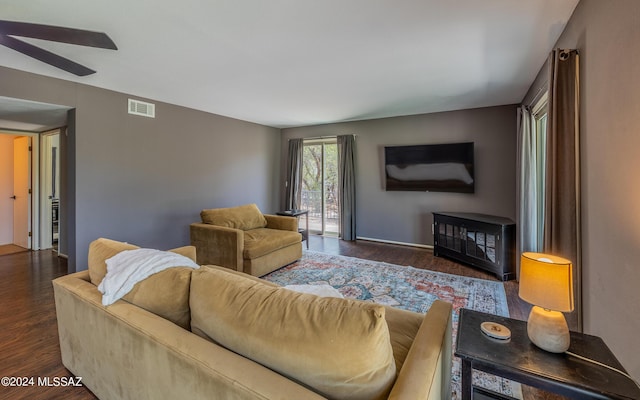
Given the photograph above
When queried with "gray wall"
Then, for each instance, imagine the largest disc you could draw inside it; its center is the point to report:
(607, 34)
(406, 216)
(144, 180)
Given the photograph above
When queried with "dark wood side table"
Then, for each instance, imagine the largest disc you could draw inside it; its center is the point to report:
(297, 214)
(520, 360)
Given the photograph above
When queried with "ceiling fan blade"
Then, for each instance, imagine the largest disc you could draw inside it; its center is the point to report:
(45, 56)
(57, 34)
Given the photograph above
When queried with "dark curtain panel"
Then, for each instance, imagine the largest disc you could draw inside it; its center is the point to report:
(562, 199)
(347, 187)
(294, 175)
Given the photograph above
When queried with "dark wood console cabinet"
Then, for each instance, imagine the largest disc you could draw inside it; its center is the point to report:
(483, 241)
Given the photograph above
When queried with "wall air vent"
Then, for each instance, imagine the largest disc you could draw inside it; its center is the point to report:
(137, 107)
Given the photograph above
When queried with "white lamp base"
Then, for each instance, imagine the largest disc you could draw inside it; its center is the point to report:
(548, 330)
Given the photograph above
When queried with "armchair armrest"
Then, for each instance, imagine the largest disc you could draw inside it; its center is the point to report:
(218, 245)
(426, 372)
(282, 222)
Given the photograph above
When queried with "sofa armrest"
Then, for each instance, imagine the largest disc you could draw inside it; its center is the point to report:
(426, 372)
(218, 245)
(84, 275)
(282, 222)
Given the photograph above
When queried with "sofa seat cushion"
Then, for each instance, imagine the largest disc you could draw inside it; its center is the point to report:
(165, 293)
(242, 217)
(340, 348)
(258, 242)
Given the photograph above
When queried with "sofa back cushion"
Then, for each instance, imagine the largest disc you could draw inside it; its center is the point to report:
(165, 293)
(338, 347)
(100, 250)
(242, 217)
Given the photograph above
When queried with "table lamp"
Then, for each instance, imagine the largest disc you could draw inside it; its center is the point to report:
(546, 281)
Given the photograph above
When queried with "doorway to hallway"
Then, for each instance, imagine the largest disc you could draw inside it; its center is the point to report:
(29, 190)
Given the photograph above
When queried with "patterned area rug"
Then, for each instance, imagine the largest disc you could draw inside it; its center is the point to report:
(407, 288)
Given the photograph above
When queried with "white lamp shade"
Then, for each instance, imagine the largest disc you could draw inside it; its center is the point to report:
(546, 281)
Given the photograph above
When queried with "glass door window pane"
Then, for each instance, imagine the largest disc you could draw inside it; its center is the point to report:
(312, 185)
(320, 185)
(330, 153)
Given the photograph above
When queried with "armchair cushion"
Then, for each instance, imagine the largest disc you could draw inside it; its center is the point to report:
(242, 217)
(258, 242)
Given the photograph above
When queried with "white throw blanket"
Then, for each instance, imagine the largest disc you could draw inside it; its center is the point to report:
(129, 267)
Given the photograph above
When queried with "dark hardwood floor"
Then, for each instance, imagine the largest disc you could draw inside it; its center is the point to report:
(28, 329)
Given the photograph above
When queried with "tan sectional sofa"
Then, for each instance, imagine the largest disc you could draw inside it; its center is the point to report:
(243, 239)
(213, 333)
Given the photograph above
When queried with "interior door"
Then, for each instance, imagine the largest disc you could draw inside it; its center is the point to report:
(21, 195)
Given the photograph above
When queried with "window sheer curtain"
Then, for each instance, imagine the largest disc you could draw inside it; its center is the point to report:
(347, 187)
(294, 174)
(529, 209)
(562, 199)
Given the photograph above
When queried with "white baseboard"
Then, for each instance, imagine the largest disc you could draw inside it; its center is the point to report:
(423, 246)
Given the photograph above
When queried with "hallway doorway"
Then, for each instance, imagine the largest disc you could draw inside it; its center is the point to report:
(30, 188)
(52, 203)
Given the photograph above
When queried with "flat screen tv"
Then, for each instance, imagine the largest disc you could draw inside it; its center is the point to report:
(430, 168)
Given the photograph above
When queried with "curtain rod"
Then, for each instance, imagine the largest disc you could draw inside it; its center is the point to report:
(323, 137)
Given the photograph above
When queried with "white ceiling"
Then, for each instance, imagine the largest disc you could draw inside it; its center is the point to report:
(301, 62)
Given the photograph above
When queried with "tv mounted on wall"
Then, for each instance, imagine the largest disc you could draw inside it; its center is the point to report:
(430, 168)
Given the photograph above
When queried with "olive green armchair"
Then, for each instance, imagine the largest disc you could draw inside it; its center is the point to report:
(243, 239)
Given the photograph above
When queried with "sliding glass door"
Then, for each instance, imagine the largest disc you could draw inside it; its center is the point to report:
(320, 185)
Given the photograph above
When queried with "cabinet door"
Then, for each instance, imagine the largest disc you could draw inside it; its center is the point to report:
(450, 236)
(482, 244)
